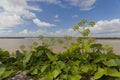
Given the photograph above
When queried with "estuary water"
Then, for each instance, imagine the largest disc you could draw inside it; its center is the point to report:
(13, 44)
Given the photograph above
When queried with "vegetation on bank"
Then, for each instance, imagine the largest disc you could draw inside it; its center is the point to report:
(82, 60)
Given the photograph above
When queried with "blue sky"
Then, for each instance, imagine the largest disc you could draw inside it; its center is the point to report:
(57, 17)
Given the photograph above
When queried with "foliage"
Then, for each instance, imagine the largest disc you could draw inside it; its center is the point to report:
(83, 60)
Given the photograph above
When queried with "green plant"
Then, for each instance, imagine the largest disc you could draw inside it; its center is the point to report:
(83, 60)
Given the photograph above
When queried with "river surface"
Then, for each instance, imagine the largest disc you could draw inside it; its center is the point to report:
(13, 44)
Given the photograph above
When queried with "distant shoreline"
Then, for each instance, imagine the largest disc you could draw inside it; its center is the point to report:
(57, 37)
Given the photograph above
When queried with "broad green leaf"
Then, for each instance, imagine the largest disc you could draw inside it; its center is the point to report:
(44, 78)
(19, 55)
(100, 58)
(7, 73)
(73, 48)
(44, 68)
(52, 57)
(117, 61)
(75, 70)
(0, 62)
(39, 53)
(85, 68)
(87, 47)
(63, 77)
(4, 54)
(110, 63)
(35, 71)
(27, 57)
(113, 72)
(75, 77)
(56, 73)
(99, 73)
(61, 64)
(96, 45)
(2, 70)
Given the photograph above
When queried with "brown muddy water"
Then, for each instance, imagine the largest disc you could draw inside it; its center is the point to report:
(12, 44)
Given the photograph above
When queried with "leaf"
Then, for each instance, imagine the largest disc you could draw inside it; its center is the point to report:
(110, 63)
(52, 57)
(0, 62)
(117, 61)
(85, 68)
(75, 77)
(113, 72)
(2, 70)
(35, 71)
(19, 55)
(4, 54)
(61, 64)
(96, 45)
(44, 68)
(27, 58)
(56, 73)
(99, 73)
(39, 53)
(86, 47)
(75, 70)
(100, 58)
(7, 73)
(73, 48)
(63, 77)
(45, 78)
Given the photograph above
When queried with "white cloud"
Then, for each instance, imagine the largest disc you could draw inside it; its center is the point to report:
(14, 12)
(48, 1)
(36, 33)
(103, 28)
(63, 32)
(56, 20)
(107, 28)
(8, 21)
(75, 16)
(42, 24)
(83, 4)
(56, 16)
(25, 31)
(44, 32)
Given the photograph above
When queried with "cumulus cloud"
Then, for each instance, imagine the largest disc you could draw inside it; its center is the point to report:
(44, 32)
(103, 28)
(109, 28)
(8, 21)
(14, 12)
(42, 24)
(36, 33)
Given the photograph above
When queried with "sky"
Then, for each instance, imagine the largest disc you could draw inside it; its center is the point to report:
(31, 18)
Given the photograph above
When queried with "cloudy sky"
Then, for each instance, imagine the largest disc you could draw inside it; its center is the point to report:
(57, 17)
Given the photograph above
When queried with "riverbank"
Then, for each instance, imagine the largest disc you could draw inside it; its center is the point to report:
(12, 44)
